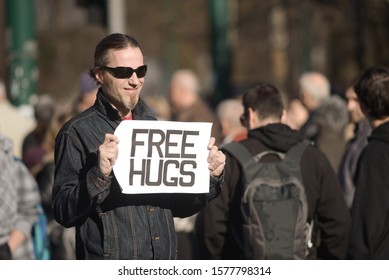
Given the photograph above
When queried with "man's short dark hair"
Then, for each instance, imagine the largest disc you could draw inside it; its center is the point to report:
(372, 89)
(115, 41)
(265, 99)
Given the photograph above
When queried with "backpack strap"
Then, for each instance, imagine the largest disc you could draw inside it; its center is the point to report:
(238, 151)
(242, 155)
(246, 159)
(295, 152)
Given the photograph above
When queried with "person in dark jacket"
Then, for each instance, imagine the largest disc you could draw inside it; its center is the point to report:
(86, 194)
(354, 146)
(219, 225)
(370, 209)
(314, 88)
(187, 103)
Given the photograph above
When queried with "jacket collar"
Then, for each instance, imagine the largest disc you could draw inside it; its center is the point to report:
(380, 133)
(105, 107)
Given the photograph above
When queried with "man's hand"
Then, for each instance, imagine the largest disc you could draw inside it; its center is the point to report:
(216, 159)
(16, 238)
(108, 153)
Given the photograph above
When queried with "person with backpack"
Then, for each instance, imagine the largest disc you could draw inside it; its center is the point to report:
(282, 202)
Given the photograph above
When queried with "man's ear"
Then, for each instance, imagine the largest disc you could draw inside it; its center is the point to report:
(283, 117)
(252, 118)
(99, 76)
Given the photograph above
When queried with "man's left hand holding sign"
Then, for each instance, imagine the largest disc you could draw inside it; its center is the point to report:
(216, 159)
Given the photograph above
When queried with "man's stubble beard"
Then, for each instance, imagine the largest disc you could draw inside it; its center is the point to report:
(133, 98)
(133, 101)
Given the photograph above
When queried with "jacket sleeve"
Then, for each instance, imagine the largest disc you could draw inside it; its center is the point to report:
(79, 185)
(331, 211)
(185, 205)
(212, 223)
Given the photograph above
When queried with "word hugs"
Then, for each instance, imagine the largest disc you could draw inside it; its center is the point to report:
(160, 157)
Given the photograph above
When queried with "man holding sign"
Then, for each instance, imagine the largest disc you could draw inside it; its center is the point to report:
(116, 217)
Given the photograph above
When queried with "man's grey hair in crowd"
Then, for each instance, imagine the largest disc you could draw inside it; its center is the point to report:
(316, 85)
(332, 114)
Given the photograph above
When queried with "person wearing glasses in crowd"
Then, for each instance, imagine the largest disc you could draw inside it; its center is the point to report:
(86, 194)
(219, 228)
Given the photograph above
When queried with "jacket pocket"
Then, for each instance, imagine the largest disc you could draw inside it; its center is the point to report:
(109, 236)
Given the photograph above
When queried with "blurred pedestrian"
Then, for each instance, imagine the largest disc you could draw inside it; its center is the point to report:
(87, 91)
(219, 227)
(314, 89)
(354, 146)
(187, 105)
(160, 107)
(331, 119)
(33, 151)
(296, 114)
(13, 123)
(370, 209)
(62, 240)
(228, 112)
(19, 200)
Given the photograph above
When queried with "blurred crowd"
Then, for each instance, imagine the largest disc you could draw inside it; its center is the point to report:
(333, 121)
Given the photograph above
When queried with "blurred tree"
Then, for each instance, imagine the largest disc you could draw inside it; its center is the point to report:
(221, 51)
(337, 37)
(22, 67)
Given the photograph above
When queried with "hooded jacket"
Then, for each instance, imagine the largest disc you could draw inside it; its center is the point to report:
(370, 211)
(325, 201)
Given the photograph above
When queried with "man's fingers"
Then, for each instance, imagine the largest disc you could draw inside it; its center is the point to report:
(108, 153)
(217, 161)
(110, 138)
(211, 143)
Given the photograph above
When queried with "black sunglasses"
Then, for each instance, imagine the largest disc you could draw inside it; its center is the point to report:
(243, 119)
(126, 72)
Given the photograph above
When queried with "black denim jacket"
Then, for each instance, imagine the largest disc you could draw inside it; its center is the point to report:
(109, 224)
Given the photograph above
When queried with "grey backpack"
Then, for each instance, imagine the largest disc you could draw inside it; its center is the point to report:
(274, 205)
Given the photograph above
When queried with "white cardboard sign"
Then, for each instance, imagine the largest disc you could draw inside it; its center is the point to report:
(162, 157)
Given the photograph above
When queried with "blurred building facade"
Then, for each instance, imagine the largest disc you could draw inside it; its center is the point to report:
(272, 41)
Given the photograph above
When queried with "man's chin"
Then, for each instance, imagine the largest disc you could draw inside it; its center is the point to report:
(131, 105)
